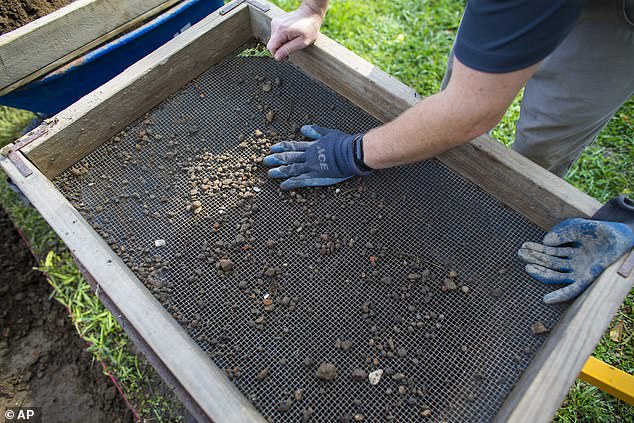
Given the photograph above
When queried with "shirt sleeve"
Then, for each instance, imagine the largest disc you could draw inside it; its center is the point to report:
(499, 36)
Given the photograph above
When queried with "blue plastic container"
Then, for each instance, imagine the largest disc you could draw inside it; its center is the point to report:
(61, 88)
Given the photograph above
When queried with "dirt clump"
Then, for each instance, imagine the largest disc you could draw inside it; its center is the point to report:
(326, 371)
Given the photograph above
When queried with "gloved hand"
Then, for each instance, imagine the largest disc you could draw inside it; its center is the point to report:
(575, 252)
(333, 158)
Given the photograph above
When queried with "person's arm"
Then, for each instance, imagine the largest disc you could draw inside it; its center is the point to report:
(298, 29)
(472, 104)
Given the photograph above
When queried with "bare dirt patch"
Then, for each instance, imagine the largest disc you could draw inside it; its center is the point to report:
(15, 13)
(43, 363)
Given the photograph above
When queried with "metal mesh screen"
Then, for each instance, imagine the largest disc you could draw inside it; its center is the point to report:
(358, 275)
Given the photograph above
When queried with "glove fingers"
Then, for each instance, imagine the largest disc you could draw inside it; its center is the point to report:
(283, 146)
(551, 251)
(548, 276)
(286, 158)
(287, 171)
(567, 292)
(309, 180)
(545, 260)
(313, 131)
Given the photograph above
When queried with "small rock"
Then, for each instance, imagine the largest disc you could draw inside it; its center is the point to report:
(271, 243)
(270, 116)
(465, 289)
(309, 362)
(298, 394)
(267, 301)
(375, 376)
(359, 417)
(346, 345)
(326, 371)
(263, 374)
(538, 328)
(450, 284)
(414, 276)
(226, 265)
(266, 87)
(285, 405)
(402, 352)
(426, 412)
(307, 414)
(359, 375)
(270, 272)
(159, 243)
(453, 274)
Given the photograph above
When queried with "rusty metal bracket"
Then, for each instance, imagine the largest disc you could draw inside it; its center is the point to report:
(14, 154)
(627, 266)
(231, 6)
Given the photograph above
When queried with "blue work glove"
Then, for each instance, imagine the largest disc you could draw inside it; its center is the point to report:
(332, 158)
(575, 252)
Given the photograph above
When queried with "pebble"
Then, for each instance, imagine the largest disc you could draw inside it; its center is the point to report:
(359, 417)
(309, 362)
(263, 374)
(450, 284)
(299, 394)
(307, 414)
(346, 345)
(270, 272)
(359, 375)
(538, 328)
(159, 243)
(285, 405)
(375, 376)
(326, 371)
(453, 274)
(465, 289)
(414, 276)
(426, 412)
(270, 244)
(402, 352)
(226, 265)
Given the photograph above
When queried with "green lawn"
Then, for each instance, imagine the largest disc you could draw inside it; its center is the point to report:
(411, 40)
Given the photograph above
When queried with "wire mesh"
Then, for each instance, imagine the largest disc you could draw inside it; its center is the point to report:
(359, 275)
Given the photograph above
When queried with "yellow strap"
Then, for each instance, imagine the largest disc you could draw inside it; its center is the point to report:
(609, 379)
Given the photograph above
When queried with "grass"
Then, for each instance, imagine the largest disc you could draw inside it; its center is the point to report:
(107, 341)
(410, 39)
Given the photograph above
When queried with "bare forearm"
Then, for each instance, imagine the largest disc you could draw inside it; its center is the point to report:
(318, 6)
(472, 104)
(433, 126)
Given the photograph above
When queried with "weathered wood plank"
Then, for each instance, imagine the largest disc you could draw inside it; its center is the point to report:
(524, 186)
(46, 40)
(92, 120)
(34, 67)
(193, 369)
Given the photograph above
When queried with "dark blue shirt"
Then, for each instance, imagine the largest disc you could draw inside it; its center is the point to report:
(507, 35)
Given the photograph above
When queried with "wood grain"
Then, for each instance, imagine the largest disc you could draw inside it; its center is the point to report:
(46, 40)
(66, 58)
(93, 119)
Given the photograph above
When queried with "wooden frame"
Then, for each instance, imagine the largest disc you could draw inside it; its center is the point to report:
(50, 44)
(77, 131)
